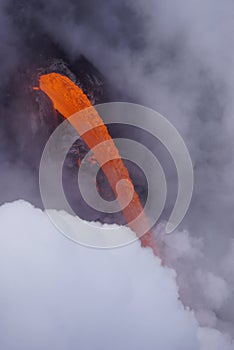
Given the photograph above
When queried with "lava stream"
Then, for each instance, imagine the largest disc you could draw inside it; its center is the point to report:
(69, 99)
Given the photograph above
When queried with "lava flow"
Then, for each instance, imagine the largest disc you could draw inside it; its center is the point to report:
(69, 99)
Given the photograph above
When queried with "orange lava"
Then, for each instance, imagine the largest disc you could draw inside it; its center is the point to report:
(69, 99)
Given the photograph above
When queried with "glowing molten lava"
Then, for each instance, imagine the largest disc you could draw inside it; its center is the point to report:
(69, 99)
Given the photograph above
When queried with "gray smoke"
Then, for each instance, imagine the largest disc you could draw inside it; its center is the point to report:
(178, 58)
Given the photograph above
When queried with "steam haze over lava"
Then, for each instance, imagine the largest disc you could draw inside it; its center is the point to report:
(177, 58)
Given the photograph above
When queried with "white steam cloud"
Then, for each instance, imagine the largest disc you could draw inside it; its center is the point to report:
(57, 294)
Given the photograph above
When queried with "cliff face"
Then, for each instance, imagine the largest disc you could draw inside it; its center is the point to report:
(85, 76)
